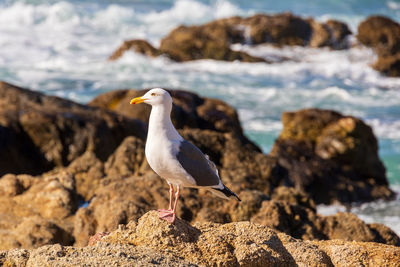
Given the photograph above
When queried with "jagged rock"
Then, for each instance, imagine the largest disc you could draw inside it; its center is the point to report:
(88, 171)
(331, 157)
(35, 211)
(126, 199)
(213, 40)
(344, 253)
(101, 255)
(39, 132)
(383, 35)
(128, 159)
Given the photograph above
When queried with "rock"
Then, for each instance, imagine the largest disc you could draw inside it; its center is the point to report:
(380, 33)
(88, 171)
(101, 255)
(138, 46)
(128, 159)
(383, 35)
(344, 253)
(197, 42)
(213, 40)
(294, 220)
(384, 234)
(36, 210)
(388, 65)
(39, 132)
(152, 241)
(126, 199)
(331, 157)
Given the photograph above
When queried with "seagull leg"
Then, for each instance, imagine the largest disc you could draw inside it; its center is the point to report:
(169, 215)
(166, 214)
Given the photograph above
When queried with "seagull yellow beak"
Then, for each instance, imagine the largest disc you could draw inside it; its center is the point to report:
(137, 100)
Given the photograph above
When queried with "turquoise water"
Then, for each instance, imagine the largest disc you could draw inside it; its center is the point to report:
(61, 47)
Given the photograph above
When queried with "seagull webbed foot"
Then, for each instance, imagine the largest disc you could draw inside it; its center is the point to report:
(167, 215)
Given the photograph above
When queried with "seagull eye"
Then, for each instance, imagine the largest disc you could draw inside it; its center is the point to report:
(153, 94)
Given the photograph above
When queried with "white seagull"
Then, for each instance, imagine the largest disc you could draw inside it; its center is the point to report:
(173, 158)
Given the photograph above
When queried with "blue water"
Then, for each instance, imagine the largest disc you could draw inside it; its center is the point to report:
(61, 47)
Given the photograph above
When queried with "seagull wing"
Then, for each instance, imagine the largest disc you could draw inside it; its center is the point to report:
(197, 165)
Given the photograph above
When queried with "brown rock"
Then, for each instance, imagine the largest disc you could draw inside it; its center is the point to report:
(126, 199)
(101, 255)
(384, 234)
(138, 46)
(383, 35)
(40, 132)
(38, 212)
(388, 65)
(344, 253)
(331, 157)
(153, 241)
(88, 171)
(210, 41)
(213, 40)
(128, 159)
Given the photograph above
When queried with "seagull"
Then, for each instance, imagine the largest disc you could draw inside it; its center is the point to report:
(178, 161)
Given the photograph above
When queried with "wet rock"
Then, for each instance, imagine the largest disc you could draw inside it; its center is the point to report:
(39, 132)
(138, 46)
(197, 42)
(332, 34)
(383, 35)
(213, 40)
(331, 157)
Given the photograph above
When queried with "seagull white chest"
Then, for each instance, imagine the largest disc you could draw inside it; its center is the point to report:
(161, 156)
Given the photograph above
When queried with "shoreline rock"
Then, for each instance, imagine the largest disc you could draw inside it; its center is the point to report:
(213, 40)
(383, 35)
(121, 183)
(152, 241)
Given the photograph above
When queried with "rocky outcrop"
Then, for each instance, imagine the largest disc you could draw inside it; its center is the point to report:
(330, 156)
(39, 132)
(35, 211)
(152, 241)
(383, 35)
(120, 187)
(213, 40)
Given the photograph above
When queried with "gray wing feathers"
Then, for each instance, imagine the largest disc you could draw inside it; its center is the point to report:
(197, 165)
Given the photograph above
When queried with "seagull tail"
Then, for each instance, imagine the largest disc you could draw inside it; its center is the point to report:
(224, 193)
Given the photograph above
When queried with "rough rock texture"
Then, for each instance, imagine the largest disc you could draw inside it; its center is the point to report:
(383, 35)
(152, 241)
(213, 40)
(39, 132)
(36, 210)
(330, 156)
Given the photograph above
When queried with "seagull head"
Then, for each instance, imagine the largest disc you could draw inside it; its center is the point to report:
(154, 97)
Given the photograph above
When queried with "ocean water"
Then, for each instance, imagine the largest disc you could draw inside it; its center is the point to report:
(61, 48)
